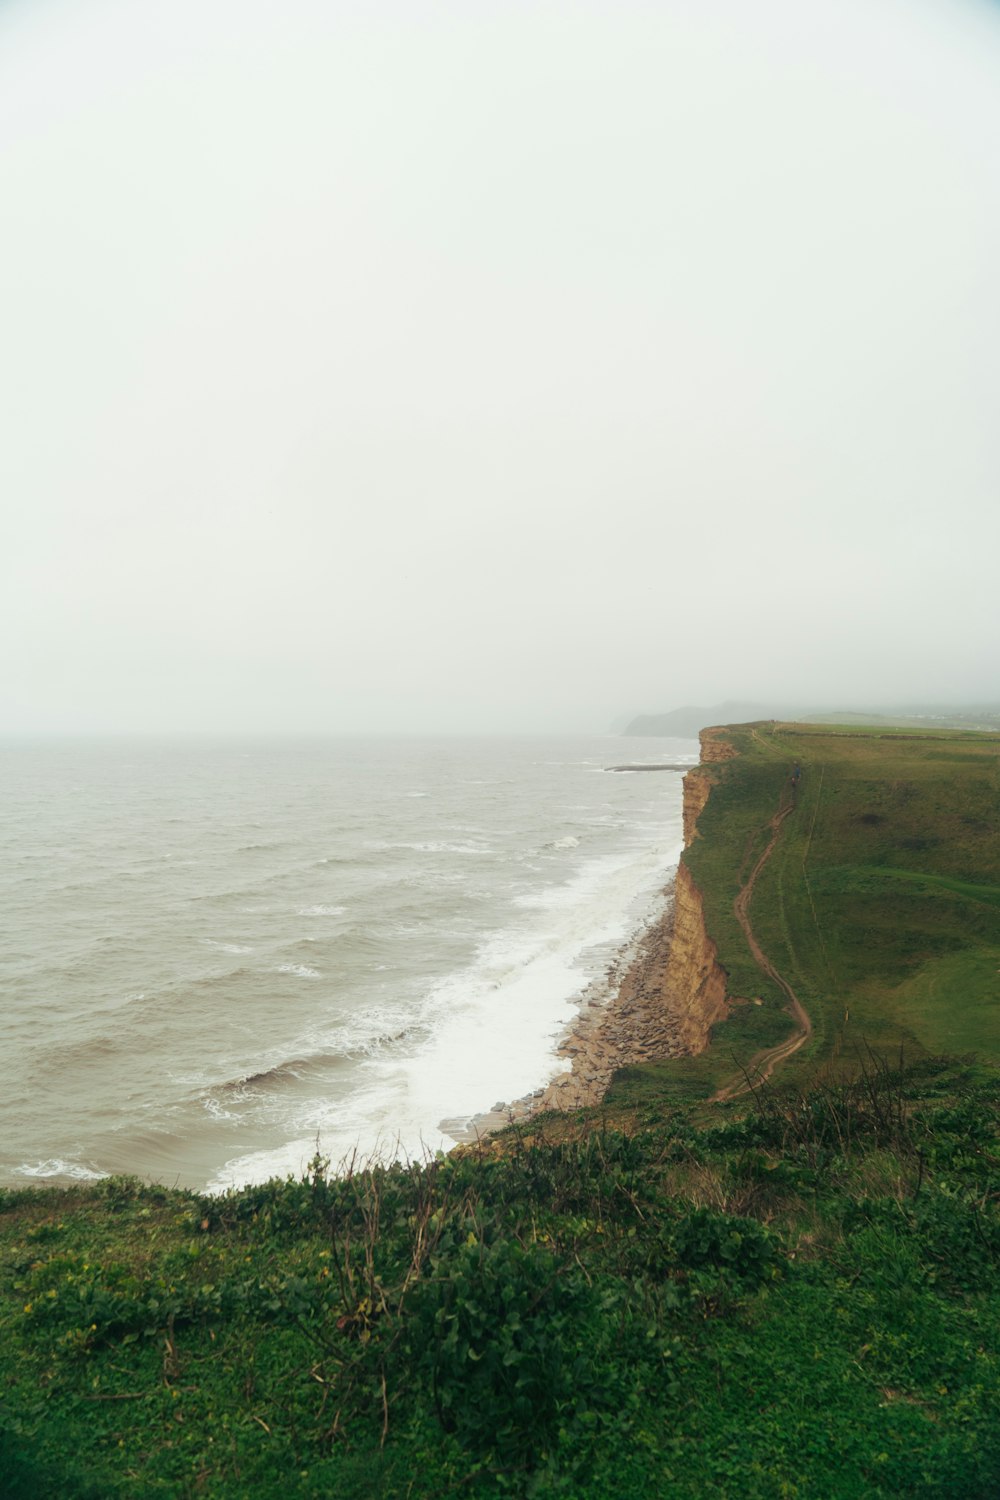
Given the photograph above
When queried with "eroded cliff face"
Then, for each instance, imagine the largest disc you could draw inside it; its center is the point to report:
(715, 746)
(694, 980)
(667, 1001)
(698, 784)
(670, 997)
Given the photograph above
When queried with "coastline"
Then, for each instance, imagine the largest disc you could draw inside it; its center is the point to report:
(661, 997)
(623, 1019)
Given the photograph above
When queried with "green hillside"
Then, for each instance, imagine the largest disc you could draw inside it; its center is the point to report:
(799, 1300)
(880, 903)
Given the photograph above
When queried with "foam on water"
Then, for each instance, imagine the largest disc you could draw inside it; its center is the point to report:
(56, 1167)
(423, 919)
(520, 992)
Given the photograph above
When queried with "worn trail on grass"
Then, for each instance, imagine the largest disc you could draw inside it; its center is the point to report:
(764, 1064)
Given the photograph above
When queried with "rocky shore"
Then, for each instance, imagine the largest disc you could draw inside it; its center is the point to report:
(660, 999)
(632, 1024)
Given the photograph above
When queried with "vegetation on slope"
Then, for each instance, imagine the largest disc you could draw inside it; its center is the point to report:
(880, 903)
(798, 1301)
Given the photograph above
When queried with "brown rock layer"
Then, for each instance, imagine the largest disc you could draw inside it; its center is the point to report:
(698, 784)
(714, 745)
(634, 1026)
(693, 985)
(666, 1000)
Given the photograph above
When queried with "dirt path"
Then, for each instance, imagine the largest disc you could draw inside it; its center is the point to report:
(764, 1064)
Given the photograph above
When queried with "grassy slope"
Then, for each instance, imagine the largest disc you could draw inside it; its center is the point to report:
(798, 1302)
(880, 904)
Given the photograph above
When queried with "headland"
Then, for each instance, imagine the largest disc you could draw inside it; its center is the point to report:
(802, 843)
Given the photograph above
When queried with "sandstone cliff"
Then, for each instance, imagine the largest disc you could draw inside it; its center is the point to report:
(667, 1001)
(694, 982)
(715, 746)
(698, 784)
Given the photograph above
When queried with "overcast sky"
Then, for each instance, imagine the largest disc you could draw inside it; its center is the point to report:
(394, 365)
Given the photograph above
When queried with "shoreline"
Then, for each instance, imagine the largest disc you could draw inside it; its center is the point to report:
(622, 1019)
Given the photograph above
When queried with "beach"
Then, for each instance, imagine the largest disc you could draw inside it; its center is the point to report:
(623, 1021)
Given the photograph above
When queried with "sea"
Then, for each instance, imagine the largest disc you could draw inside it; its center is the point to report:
(221, 958)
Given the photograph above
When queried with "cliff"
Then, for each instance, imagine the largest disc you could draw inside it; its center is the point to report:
(694, 982)
(697, 786)
(666, 1000)
(715, 746)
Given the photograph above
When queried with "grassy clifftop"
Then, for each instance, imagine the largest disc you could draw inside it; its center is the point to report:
(879, 904)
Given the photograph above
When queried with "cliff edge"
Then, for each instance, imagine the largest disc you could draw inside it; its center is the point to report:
(665, 1002)
(694, 982)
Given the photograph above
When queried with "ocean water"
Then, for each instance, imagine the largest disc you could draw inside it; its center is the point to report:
(217, 956)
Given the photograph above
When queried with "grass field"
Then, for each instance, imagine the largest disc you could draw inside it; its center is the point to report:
(880, 903)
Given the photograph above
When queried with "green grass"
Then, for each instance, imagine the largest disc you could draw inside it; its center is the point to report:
(987, 895)
(953, 1004)
(798, 1300)
(879, 903)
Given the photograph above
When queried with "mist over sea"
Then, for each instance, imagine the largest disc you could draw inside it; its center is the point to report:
(214, 954)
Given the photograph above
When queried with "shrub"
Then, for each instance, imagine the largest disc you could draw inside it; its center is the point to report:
(742, 1247)
(504, 1334)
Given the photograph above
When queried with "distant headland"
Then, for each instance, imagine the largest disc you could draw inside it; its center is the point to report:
(687, 723)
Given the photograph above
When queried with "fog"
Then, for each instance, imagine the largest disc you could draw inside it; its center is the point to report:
(495, 366)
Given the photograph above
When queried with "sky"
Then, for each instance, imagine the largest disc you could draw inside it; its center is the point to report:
(495, 365)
